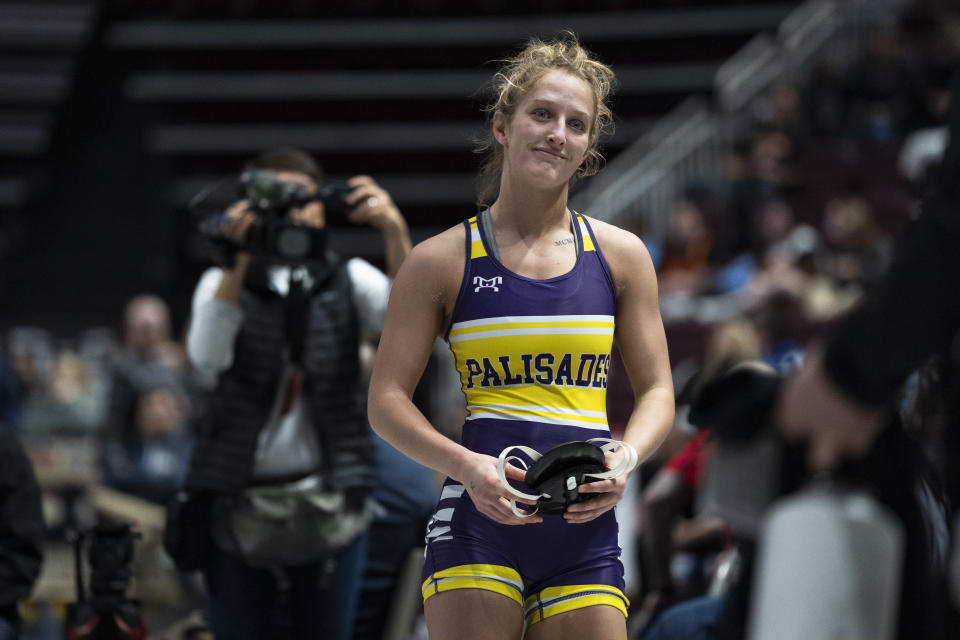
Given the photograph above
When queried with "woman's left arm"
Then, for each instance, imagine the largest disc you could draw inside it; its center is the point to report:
(643, 347)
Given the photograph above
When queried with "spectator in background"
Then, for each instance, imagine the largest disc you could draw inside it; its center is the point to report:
(823, 102)
(760, 171)
(31, 357)
(670, 526)
(21, 532)
(148, 358)
(771, 156)
(70, 403)
(667, 521)
(923, 147)
(781, 108)
(683, 264)
(782, 326)
(793, 262)
(147, 333)
(150, 462)
(884, 95)
(860, 250)
(774, 223)
(730, 342)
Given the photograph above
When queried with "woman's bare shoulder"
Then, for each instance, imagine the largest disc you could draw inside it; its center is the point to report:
(617, 243)
(626, 255)
(442, 249)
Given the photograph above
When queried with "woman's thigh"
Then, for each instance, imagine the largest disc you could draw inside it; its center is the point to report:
(599, 622)
(473, 614)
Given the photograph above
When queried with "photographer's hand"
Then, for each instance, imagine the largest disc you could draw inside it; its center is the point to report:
(237, 222)
(371, 204)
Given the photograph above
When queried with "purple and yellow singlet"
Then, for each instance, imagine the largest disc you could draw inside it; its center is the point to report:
(533, 357)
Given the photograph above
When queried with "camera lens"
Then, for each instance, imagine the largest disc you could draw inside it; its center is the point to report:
(293, 242)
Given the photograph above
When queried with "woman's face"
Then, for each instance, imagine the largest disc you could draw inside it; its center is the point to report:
(548, 136)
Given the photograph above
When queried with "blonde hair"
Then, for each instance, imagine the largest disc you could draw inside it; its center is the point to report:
(518, 75)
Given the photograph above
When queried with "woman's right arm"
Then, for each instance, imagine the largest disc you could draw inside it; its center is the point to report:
(422, 298)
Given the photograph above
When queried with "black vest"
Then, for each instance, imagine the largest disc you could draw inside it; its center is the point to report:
(240, 405)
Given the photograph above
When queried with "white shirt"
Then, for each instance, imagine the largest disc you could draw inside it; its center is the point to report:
(287, 445)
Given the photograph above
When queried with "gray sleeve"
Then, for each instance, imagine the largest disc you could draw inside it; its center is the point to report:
(214, 325)
(371, 291)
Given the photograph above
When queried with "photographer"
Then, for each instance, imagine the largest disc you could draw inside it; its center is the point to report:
(285, 454)
(841, 398)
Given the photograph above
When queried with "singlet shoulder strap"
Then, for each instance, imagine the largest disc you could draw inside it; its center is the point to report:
(589, 243)
(482, 222)
(487, 228)
(476, 248)
(474, 241)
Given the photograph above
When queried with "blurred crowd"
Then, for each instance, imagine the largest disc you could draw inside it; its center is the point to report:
(756, 266)
(815, 191)
(118, 411)
(132, 393)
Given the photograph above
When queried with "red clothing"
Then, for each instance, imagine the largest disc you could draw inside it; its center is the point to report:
(691, 461)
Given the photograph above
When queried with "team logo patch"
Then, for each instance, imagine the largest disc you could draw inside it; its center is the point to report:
(487, 283)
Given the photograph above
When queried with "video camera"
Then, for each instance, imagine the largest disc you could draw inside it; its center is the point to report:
(273, 234)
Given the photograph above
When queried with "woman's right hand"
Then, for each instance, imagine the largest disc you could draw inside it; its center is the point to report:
(482, 483)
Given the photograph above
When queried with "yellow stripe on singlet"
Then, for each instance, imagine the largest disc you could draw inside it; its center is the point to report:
(489, 577)
(554, 600)
(585, 234)
(476, 244)
(559, 405)
(600, 325)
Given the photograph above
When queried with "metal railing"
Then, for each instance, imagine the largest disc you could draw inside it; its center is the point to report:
(643, 180)
(637, 189)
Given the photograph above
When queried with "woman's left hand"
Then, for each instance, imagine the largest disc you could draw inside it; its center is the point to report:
(609, 493)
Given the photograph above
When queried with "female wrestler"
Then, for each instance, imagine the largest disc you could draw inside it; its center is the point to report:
(530, 296)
